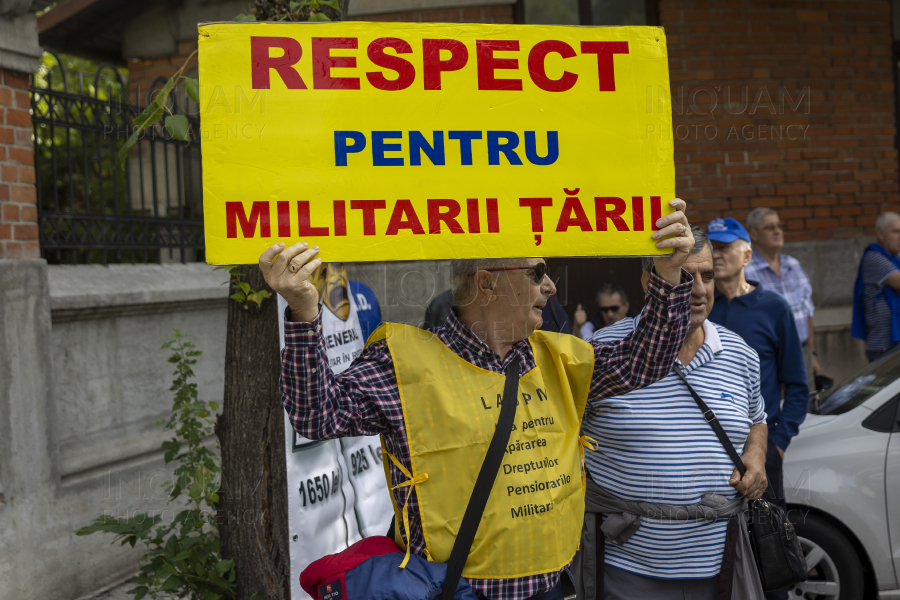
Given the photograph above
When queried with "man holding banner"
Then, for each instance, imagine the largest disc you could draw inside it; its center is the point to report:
(427, 395)
(480, 143)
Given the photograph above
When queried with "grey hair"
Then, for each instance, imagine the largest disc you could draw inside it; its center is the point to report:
(701, 241)
(885, 219)
(462, 285)
(612, 288)
(756, 216)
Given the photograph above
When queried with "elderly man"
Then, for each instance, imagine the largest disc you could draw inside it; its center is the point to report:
(783, 275)
(654, 445)
(876, 296)
(765, 321)
(612, 307)
(434, 398)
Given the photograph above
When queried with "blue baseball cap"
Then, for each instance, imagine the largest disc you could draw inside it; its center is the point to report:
(726, 230)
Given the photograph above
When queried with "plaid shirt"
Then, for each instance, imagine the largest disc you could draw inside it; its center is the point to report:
(793, 286)
(365, 399)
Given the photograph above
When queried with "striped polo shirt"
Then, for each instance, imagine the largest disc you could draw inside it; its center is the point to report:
(654, 445)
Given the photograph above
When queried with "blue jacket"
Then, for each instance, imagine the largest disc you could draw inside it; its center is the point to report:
(859, 329)
(765, 321)
(366, 307)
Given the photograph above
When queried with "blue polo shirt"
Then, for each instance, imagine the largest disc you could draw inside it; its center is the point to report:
(765, 321)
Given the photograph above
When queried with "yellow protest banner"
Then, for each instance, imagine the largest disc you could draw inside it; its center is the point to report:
(393, 141)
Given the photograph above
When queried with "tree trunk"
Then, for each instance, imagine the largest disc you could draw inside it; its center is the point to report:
(253, 498)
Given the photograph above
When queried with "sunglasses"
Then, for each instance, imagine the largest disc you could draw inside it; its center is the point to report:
(538, 271)
(610, 308)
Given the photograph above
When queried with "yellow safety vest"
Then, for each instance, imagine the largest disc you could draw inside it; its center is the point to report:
(533, 519)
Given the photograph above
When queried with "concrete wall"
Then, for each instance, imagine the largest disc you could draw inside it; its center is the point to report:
(82, 382)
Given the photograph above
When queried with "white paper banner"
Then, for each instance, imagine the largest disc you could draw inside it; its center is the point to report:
(336, 489)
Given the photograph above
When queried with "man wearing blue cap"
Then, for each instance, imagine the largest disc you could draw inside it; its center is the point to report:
(765, 321)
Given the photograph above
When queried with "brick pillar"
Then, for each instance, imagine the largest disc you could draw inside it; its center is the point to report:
(142, 72)
(18, 196)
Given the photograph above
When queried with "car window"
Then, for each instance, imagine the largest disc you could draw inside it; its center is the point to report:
(859, 387)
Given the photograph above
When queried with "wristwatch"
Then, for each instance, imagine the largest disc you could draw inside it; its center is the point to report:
(814, 353)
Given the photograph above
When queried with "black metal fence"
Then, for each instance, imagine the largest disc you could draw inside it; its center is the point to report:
(91, 207)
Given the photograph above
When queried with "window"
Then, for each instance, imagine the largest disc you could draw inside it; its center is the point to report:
(859, 387)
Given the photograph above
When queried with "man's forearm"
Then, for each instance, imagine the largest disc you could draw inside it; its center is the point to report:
(757, 441)
(319, 404)
(671, 276)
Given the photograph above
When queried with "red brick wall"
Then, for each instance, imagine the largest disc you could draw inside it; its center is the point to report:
(18, 197)
(840, 170)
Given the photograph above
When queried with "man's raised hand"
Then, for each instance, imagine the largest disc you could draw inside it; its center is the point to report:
(675, 224)
(287, 271)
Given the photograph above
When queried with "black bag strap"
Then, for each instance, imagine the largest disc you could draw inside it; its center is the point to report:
(713, 421)
(484, 483)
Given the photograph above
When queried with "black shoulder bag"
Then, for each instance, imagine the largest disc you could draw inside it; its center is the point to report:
(483, 484)
(776, 549)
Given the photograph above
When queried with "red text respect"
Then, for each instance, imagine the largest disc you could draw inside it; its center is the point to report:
(497, 63)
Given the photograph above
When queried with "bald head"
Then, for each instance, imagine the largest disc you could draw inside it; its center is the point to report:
(887, 230)
(885, 219)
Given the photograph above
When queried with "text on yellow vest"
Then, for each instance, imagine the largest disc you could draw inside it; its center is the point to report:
(533, 519)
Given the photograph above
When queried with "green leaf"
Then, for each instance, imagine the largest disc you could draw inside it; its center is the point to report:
(294, 5)
(319, 17)
(126, 147)
(214, 405)
(172, 583)
(151, 114)
(238, 297)
(139, 592)
(178, 127)
(196, 490)
(192, 88)
(332, 3)
(155, 110)
(245, 17)
(224, 565)
(245, 287)
(171, 547)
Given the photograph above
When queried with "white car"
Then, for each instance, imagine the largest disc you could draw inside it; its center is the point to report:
(842, 486)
